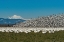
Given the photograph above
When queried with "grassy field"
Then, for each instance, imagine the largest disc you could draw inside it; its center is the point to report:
(32, 37)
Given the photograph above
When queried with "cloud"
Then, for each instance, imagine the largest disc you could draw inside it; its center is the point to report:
(15, 17)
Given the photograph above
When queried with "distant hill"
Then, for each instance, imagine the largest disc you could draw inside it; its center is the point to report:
(10, 21)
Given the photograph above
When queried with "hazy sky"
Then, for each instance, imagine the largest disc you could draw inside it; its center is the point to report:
(30, 8)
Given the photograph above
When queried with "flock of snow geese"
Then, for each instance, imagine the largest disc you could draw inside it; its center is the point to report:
(46, 21)
(45, 24)
(27, 30)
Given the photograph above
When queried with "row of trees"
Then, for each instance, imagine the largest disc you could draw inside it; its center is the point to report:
(6, 25)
